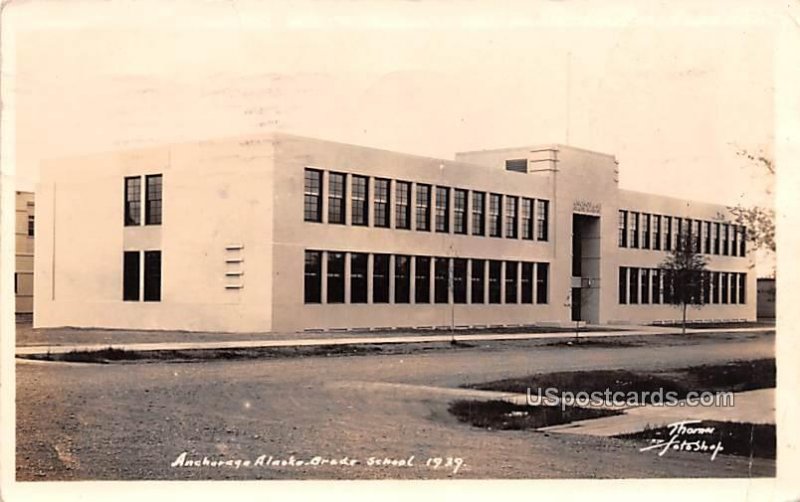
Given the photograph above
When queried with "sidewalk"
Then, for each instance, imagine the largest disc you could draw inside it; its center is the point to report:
(325, 339)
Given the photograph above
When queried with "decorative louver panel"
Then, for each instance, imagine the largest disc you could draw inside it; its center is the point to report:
(234, 266)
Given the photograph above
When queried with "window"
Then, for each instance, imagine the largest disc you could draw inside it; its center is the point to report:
(697, 236)
(634, 224)
(511, 282)
(656, 285)
(527, 218)
(495, 215)
(335, 277)
(667, 233)
(130, 276)
(152, 214)
(645, 231)
(526, 283)
(667, 286)
(402, 205)
(734, 283)
(623, 228)
(734, 240)
(724, 280)
(707, 237)
(742, 241)
(133, 201)
(460, 212)
(742, 278)
(459, 280)
(657, 232)
(381, 212)
(313, 277)
(633, 285)
(424, 207)
(359, 200)
(494, 281)
(517, 165)
(31, 225)
(312, 206)
(477, 279)
(706, 287)
(422, 280)
(542, 270)
(542, 230)
(358, 277)
(402, 279)
(441, 280)
(380, 278)
(645, 286)
(511, 216)
(678, 234)
(152, 276)
(622, 284)
(478, 208)
(717, 238)
(715, 289)
(442, 209)
(336, 198)
(725, 236)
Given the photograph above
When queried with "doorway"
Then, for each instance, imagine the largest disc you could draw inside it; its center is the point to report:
(585, 268)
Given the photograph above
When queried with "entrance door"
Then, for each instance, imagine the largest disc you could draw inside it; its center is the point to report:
(586, 268)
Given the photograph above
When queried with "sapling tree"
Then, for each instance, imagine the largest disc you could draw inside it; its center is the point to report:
(684, 270)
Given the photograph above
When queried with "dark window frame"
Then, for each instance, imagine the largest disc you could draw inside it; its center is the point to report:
(154, 187)
(133, 201)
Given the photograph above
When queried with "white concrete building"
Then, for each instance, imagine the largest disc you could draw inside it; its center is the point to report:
(23, 272)
(283, 233)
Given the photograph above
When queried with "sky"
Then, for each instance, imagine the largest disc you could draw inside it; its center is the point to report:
(672, 96)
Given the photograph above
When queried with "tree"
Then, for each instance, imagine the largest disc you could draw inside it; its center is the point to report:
(759, 221)
(684, 270)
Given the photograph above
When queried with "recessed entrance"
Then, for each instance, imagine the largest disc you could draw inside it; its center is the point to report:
(585, 298)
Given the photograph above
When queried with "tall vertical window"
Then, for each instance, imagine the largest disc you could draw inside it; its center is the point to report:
(380, 278)
(656, 285)
(527, 218)
(312, 203)
(707, 237)
(31, 225)
(152, 276)
(526, 283)
(442, 209)
(742, 281)
(697, 236)
(477, 280)
(656, 232)
(495, 271)
(725, 236)
(459, 280)
(130, 276)
(715, 287)
(358, 277)
(733, 279)
(460, 212)
(335, 277)
(645, 231)
(542, 280)
(359, 196)
(313, 277)
(336, 198)
(478, 218)
(633, 285)
(422, 279)
(381, 212)
(623, 228)
(152, 214)
(511, 282)
(742, 241)
(678, 234)
(667, 233)
(441, 280)
(724, 289)
(402, 279)
(717, 238)
(542, 217)
(495, 215)
(734, 240)
(133, 200)
(423, 207)
(511, 216)
(402, 209)
(645, 285)
(666, 282)
(622, 285)
(634, 224)
(706, 287)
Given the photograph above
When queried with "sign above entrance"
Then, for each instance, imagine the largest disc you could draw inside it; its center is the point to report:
(586, 207)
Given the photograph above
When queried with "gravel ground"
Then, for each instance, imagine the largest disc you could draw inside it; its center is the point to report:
(131, 421)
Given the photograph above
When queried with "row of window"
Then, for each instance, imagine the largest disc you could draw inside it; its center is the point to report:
(435, 279)
(655, 286)
(655, 231)
(152, 200)
(507, 215)
(134, 281)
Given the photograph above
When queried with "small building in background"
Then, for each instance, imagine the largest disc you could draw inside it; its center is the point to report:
(23, 272)
(766, 298)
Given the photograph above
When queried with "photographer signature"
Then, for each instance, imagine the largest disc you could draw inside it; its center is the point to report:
(678, 432)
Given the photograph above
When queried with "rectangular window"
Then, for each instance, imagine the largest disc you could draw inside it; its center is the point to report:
(459, 280)
(667, 233)
(742, 241)
(422, 280)
(706, 288)
(622, 285)
(494, 281)
(442, 209)
(645, 231)
(715, 287)
(441, 274)
(542, 272)
(336, 198)
(477, 280)
(717, 238)
(725, 237)
(634, 224)
(666, 283)
(542, 217)
(734, 240)
(402, 279)
(678, 234)
(358, 277)
(380, 278)
(655, 275)
(152, 214)
(335, 277)
(313, 277)
(312, 206)
(511, 282)
(381, 203)
(707, 237)
(478, 208)
(527, 218)
(633, 285)
(724, 281)
(402, 205)
(31, 225)
(526, 283)
(697, 236)
(495, 215)
(460, 212)
(130, 276)
(742, 281)
(511, 216)
(360, 200)
(133, 201)
(734, 283)
(623, 228)
(657, 232)
(424, 207)
(152, 276)
(645, 286)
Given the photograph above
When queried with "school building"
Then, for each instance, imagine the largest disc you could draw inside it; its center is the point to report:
(284, 233)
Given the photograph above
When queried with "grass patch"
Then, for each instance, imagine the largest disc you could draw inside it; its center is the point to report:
(720, 325)
(740, 439)
(502, 415)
